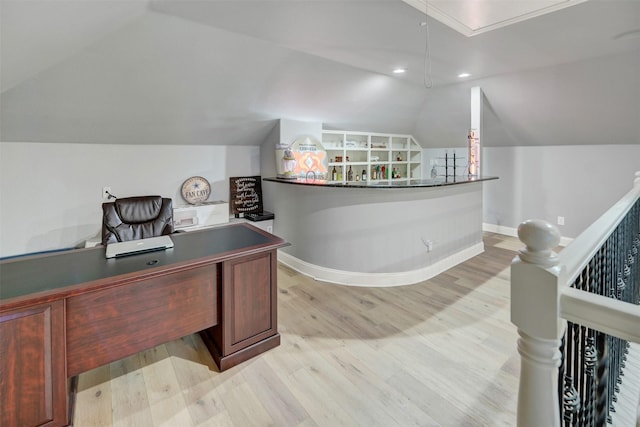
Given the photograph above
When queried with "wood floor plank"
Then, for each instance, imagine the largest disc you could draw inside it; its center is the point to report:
(194, 380)
(220, 420)
(244, 407)
(93, 401)
(333, 371)
(436, 410)
(166, 401)
(319, 400)
(130, 405)
(400, 409)
(278, 400)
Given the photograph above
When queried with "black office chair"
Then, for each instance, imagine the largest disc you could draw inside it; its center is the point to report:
(133, 218)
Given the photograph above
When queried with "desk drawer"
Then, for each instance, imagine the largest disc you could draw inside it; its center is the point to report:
(107, 325)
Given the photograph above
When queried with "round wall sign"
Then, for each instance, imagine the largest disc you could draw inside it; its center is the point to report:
(196, 190)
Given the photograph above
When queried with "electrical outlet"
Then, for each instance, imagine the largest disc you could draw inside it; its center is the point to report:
(560, 220)
(105, 193)
(428, 244)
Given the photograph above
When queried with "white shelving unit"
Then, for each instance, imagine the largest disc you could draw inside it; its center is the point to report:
(398, 156)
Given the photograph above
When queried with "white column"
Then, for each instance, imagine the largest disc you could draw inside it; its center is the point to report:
(535, 311)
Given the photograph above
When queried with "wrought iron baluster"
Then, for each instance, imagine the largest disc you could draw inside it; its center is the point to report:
(590, 364)
(593, 363)
(570, 401)
(577, 371)
(561, 374)
(602, 391)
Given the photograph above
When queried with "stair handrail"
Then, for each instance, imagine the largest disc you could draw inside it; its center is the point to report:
(542, 302)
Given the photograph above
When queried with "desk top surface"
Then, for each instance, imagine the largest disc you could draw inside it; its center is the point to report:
(30, 275)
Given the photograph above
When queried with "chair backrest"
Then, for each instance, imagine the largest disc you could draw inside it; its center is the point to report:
(133, 218)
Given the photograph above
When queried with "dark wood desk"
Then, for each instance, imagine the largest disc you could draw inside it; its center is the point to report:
(64, 314)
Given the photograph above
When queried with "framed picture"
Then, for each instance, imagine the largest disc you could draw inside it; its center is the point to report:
(245, 194)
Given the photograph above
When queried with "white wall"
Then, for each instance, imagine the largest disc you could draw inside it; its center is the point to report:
(50, 194)
(578, 182)
(436, 157)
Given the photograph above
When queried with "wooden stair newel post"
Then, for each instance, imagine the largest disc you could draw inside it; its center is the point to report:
(535, 297)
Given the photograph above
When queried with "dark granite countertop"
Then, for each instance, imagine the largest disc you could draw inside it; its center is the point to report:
(401, 183)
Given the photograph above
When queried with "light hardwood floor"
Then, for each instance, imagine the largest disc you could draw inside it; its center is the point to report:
(438, 353)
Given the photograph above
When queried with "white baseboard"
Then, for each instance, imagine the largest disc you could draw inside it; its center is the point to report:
(510, 231)
(341, 277)
(500, 229)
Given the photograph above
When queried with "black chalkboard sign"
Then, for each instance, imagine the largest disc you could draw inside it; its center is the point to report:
(245, 194)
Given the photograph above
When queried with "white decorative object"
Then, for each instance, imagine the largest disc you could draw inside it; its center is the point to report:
(475, 133)
(286, 162)
(195, 190)
(304, 158)
(196, 217)
(540, 237)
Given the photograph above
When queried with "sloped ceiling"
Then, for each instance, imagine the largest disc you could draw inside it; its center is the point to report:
(38, 34)
(222, 72)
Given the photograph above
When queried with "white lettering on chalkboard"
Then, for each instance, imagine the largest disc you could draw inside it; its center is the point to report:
(246, 194)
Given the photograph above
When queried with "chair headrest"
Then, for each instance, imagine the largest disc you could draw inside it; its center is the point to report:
(138, 209)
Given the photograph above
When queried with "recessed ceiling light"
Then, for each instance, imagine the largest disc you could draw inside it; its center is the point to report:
(463, 75)
(399, 70)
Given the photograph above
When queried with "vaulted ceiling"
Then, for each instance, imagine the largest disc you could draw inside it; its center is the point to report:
(221, 72)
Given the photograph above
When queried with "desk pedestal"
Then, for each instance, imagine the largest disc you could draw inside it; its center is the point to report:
(249, 317)
(32, 366)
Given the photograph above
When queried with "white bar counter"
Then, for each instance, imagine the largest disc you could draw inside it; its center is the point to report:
(386, 233)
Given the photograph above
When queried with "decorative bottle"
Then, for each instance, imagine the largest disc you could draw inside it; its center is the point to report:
(364, 174)
(334, 174)
(350, 174)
